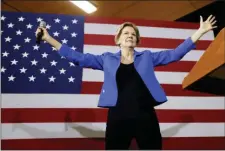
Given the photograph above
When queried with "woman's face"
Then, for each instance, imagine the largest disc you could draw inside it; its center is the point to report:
(128, 37)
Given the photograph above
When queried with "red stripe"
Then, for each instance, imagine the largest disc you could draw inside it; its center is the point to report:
(142, 22)
(182, 143)
(92, 39)
(180, 66)
(48, 115)
(170, 89)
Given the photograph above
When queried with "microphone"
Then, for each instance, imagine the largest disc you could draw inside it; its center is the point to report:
(40, 34)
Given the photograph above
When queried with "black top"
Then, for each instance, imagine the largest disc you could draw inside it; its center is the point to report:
(133, 96)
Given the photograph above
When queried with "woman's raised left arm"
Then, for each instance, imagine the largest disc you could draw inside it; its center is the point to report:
(168, 56)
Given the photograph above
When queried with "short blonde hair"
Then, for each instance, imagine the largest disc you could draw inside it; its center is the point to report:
(122, 26)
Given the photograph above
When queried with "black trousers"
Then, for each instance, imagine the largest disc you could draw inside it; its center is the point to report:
(144, 128)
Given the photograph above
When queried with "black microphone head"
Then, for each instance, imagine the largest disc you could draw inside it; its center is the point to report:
(42, 24)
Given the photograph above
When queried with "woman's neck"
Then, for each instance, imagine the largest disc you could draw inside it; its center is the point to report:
(127, 52)
(127, 55)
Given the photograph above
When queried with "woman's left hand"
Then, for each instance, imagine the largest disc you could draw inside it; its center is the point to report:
(208, 24)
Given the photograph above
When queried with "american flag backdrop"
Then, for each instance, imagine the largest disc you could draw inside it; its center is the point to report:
(50, 103)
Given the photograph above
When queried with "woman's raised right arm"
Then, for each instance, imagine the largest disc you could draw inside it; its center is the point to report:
(84, 60)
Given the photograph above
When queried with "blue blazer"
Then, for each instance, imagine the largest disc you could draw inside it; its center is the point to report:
(144, 63)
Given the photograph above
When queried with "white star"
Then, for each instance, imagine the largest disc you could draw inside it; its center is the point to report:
(36, 47)
(48, 26)
(52, 79)
(39, 19)
(25, 54)
(34, 62)
(63, 57)
(14, 62)
(53, 63)
(16, 46)
(74, 48)
(21, 18)
(71, 64)
(74, 21)
(44, 55)
(29, 26)
(62, 71)
(56, 34)
(73, 34)
(5, 54)
(11, 78)
(8, 39)
(19, 32)
(65, 27)
(43, 70)
(3, 18)
(27, 40)
(64, 41)
(10, 25)
(57, 20)
(53, 48)
(3, 69)
(71, 79)
(32, 78)
(23, 70)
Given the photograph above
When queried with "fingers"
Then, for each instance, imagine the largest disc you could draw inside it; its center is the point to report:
(213, 22)
(201, 19)
(42, 28)
(208, 19)
(39, 30)
(212, 19)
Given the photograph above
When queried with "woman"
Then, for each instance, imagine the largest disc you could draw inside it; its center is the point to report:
(130, 89)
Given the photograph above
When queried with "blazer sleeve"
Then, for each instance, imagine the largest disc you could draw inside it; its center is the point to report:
(172, 55)
(83, 60)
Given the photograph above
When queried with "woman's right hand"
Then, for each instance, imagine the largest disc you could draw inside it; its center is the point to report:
(45, 36)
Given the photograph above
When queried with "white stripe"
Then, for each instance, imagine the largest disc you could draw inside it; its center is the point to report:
(193, 55)
(91, 101)
(87, 130)
(162, 76)
(188, 102)
(146, 31)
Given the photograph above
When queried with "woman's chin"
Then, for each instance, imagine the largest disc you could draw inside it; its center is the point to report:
(129, 46)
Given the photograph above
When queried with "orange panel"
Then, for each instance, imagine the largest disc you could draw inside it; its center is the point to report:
(210, 68)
